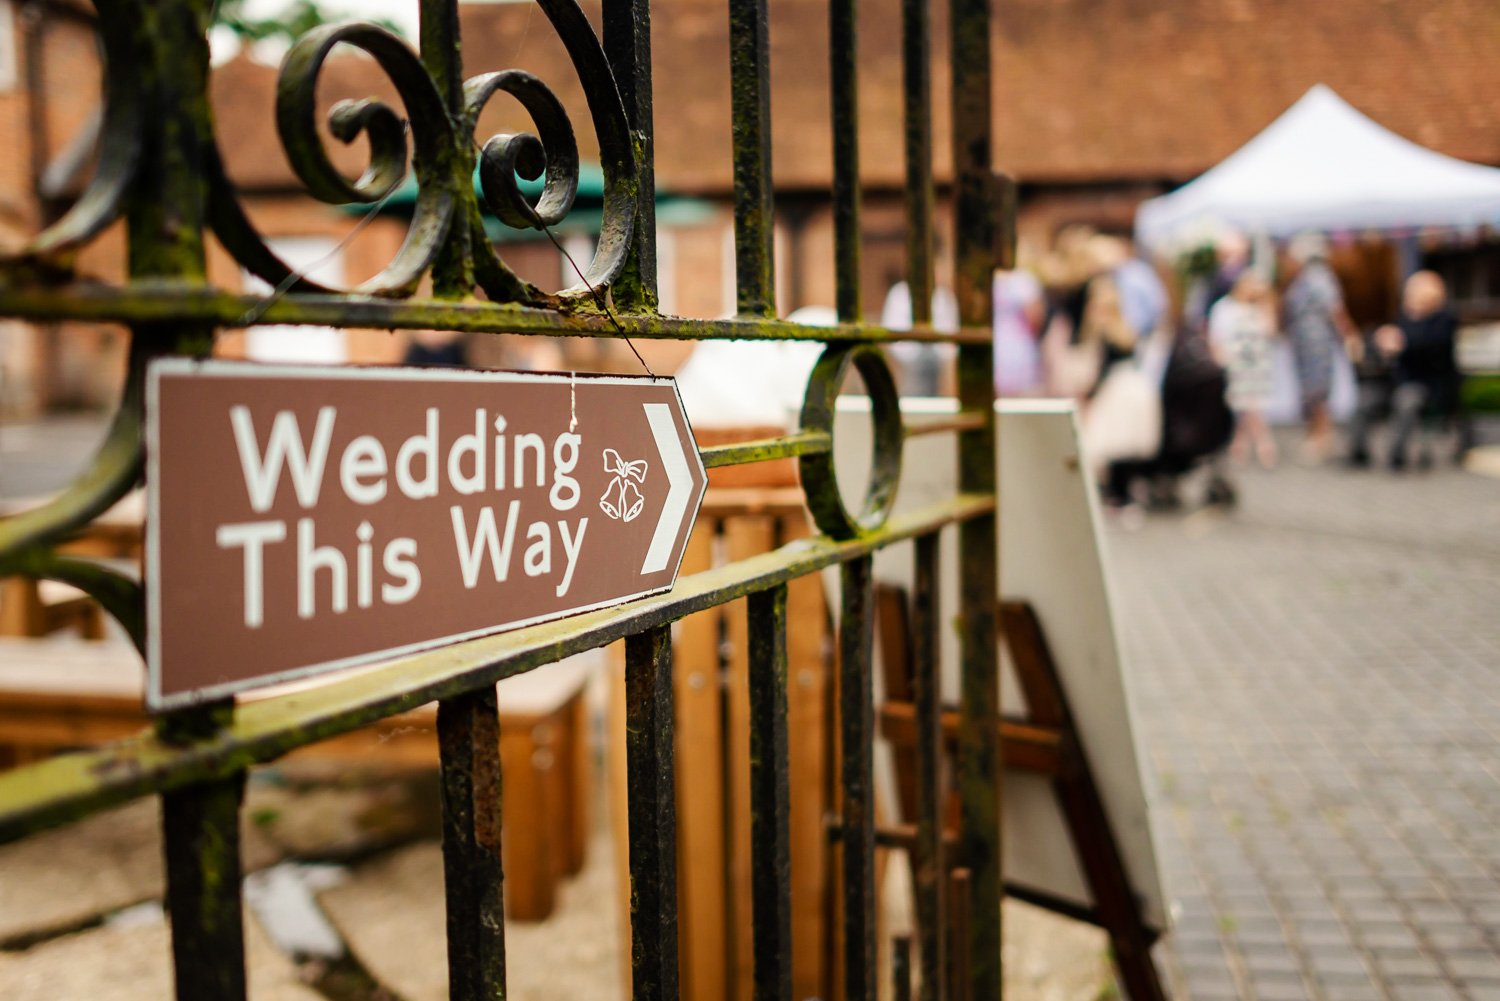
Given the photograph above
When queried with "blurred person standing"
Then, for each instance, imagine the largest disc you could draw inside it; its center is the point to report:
(1067, 370)
(1145, 304)
(1427, 376)
(1317, 323)
(1241, 326)
(1020, 307)
(1122, 415)
(1231, 258)
(922, 369)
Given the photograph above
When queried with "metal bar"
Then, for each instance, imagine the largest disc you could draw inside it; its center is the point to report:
(978, 764)
(195, 723)
(961, 919)
(201, 844)
(166, 205)
(843, 58)
(770, 805)
(927, 858)
(453, 268)
(974, 182)
(754, 211)
(145, 304)
(72, 785)
(901, 968)
(960, 422)
(764, 449)
(856, 734)
(627, 44)
(653, 814)
(916, 46)
(468, 728)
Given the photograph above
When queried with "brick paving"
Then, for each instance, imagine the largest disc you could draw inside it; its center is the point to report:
(1317, 693)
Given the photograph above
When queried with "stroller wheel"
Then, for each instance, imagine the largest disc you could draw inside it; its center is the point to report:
(1220, 493)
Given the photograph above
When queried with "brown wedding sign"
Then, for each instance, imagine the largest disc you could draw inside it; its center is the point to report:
(302, 519)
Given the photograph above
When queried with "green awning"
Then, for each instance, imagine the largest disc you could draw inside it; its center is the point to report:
(590, 188)
(586, 216)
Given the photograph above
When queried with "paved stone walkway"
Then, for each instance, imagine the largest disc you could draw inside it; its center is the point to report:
(1318, 693)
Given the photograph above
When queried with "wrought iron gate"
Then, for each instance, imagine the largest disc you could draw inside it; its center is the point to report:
(160, 171)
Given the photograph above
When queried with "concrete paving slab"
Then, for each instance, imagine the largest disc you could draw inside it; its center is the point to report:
(133, 963)
(1316, 694)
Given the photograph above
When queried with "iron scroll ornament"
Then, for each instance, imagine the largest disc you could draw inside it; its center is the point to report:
(441, 160)
(558, 150)
(120, 137)
(441, 157)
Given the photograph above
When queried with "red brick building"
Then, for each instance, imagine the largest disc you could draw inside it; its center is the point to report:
(1098, 103)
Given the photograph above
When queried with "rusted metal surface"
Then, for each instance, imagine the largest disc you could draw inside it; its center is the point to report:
(750, 105)
(916, 76)
(770, 806)
(763, 449)
(161, 173)
(857, 776)
(581, 318)
(928, 856)
(901, 968)
(653, 816)
(978, 767)
(818, 480)
(627, 44)
(468, 728)
(843, 59)
(961, 920)
(201, 842)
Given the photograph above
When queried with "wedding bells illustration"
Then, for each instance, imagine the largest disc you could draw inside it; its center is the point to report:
(622, 499)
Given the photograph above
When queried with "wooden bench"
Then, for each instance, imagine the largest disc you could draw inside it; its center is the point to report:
(61, 692)
(39, 608)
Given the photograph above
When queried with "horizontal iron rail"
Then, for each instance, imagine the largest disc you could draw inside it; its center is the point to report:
(73, 785)
(164, 303)
(763, 449)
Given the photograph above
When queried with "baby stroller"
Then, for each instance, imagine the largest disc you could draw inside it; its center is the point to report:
(1197, 423)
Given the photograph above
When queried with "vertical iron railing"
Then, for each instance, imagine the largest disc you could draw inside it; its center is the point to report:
(162, 174)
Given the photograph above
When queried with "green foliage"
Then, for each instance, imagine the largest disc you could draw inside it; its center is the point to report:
(1481, 394)
(264, 816)
(1201, 261)
(296, 19)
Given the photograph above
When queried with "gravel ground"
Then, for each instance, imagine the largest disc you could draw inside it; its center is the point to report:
(389, 910)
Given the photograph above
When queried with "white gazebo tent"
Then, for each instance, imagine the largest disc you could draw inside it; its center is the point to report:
(1323, 166)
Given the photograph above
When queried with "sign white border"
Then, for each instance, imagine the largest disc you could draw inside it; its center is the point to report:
(177, 366)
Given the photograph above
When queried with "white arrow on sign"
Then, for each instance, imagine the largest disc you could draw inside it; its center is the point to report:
(679, 476)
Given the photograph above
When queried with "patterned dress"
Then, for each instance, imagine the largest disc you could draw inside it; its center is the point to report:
(1241, 332)
(1311, 302)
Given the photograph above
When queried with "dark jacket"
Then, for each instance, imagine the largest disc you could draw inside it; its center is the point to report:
(1428, 356)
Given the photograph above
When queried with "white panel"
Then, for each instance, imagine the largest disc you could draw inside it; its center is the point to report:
(1053, 556)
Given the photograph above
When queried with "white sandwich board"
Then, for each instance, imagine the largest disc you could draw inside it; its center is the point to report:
(1052, 555)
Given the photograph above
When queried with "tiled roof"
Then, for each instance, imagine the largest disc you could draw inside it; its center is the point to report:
(1085, 90)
